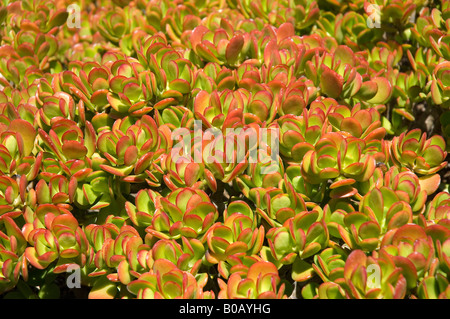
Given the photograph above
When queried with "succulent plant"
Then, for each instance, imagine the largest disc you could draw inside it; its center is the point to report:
(133, 147)
(433, 287)
(259, 281)
(187, 257)
(439, 84)
(309, 192)
(237, 234)
(298, 134)
(115, 25)
(330, 263)
(220, 46)
(171, 74)
(13, 260)
(59, 238)
(413, 150)
(166, 281)
(276, 206)
(300, 237)
(438, 208)
(184, 212)
(365, 277)
(68, 141)
(341, 159)
(225, 149)
(412, 245)
(381, 210)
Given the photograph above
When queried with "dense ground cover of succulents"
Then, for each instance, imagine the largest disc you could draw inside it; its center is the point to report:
(358, 206)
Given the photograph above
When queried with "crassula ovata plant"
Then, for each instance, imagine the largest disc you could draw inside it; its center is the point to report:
(224, 149)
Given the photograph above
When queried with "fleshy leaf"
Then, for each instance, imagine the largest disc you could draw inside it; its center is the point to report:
(331, 82)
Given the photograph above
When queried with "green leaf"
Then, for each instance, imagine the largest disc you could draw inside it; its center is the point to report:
(309, 291)
(49, 291)
(58, 19)
(384, 91)
(301, 270)
(74, 150)
(26, 131)
(331, 82)
(282, 243)
(103, 289)
(133, 91)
